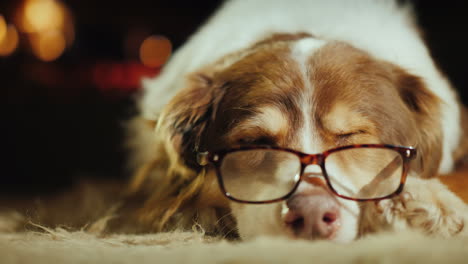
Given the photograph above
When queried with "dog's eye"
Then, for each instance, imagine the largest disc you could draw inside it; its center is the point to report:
(344, 136)
(257, 141)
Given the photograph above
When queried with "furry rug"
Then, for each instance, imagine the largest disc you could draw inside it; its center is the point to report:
(61, 246)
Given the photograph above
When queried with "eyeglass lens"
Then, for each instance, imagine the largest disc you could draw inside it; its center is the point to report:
(265, 174)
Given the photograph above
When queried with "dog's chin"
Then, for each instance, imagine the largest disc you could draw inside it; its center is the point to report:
(268, 220)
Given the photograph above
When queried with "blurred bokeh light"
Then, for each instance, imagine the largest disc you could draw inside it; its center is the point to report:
(49, 45)
(155, 50)
(42, 15)
(9, 41)
(48, 25)
(3, 28)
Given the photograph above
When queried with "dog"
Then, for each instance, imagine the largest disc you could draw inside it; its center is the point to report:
(304, 79)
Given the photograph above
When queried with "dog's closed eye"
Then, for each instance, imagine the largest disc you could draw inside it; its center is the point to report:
(260, 141)
(348, 135)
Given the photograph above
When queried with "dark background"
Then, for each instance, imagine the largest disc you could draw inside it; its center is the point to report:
(57, 125)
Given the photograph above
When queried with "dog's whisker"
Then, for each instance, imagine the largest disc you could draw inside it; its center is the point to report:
(230, 231)
(223, 217)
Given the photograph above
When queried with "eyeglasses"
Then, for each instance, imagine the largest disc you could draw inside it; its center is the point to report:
(266, 174)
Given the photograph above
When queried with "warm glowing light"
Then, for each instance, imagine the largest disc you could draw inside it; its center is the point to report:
(155, 50)
(3, 28)
(48, 25)
(49, 46)
(9, 42)
(43, 15)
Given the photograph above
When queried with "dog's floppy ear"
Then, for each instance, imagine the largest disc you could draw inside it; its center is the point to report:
(425, 110)
(171, 181)
(189, 113)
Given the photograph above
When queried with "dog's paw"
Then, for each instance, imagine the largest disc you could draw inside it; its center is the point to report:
(425, 205)
(431, 216)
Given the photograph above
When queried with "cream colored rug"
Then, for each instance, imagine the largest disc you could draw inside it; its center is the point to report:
(60, 246)
(53, 246)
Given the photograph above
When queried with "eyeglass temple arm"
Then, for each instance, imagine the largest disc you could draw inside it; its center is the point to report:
(382, 175)
(391, 167)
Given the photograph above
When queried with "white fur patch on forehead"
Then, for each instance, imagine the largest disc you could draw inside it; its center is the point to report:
(309, 140)
(301, 52)
(269, 118)
(307, 46)
(303, 49)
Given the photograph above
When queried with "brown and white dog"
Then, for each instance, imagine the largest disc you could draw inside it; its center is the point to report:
(304, 75)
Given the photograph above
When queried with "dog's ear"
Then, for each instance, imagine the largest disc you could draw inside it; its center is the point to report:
(425, 110)
(189, 113)
(172, 180)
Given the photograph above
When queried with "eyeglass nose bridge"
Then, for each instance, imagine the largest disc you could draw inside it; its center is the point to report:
(312, 159)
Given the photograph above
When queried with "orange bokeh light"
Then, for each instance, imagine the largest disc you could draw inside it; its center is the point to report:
(49, 45)
(9, 42)
(43, 15)
(49, 27)
(3, 28)
(155, 50)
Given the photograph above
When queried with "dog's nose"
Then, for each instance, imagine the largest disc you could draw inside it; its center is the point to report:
(313, 215)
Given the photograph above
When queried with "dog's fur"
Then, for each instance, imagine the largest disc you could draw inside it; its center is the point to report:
(306, 75)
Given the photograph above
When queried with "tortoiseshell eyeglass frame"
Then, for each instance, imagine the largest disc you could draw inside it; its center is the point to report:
(216, 158)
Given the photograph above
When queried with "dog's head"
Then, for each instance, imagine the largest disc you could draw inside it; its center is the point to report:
(307, 94)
